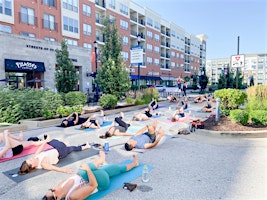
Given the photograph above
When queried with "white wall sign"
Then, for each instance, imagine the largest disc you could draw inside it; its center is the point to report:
(136, 55)
(238, 61)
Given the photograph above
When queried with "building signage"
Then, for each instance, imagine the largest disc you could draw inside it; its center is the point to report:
(136, 55)
(23, 65)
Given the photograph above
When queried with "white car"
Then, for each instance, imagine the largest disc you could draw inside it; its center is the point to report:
(161, 88)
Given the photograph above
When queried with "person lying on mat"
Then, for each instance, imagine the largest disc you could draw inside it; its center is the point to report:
(200, 99)
(178, 114)
(182, 103)
(118, 130)
(48, 159)
(90, 178)
(153, 104)
(94, 121)
(208, 106)
(73, 120)
(172, 98)
(14, 145)
(146, 138)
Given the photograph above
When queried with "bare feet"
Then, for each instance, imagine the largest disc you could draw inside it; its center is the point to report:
(87, 146)
(21, 136)
(102, 113)
(122, 115)
(102, 157)
(135, 161)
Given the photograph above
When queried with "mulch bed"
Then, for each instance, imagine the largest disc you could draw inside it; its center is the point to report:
(225, 124)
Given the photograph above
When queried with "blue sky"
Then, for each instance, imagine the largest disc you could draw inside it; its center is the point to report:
(221, 20)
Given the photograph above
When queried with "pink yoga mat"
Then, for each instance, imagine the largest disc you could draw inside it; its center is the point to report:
(29, 150)
(180, 120)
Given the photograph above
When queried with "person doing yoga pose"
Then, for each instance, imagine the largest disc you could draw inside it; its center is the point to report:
(90, 178)
(73, 119)
(145, 138)
(118, 130)
(14, 145)
(48, 159)
(178, 114)
(94, 121)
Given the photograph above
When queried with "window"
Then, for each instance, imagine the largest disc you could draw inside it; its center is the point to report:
(112, 4)
(125, 55)
(50, 39)
(149, 60)
(71, 5)
(173, 33)
(71, 42)
(6, 7)
(28, 34)
(173, 54)
(50, 3)
(177, 55)
(125, 40)
(49, 21)
(156, 37)
(149, 34)
(156, 61)
(111, 19)
(157, 25)
(123, 24)
(70, 24)
(6, 29)
(149, 22)
(27, 15)
(86, 45)
(149, 47)
(172, 64)
(86, 10)
(124, 9)
(87, 29)
(182, 56)
(156, 49)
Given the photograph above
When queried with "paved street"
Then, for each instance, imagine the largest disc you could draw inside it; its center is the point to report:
(195, 166)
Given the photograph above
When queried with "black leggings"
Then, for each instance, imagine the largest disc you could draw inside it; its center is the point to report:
(62, 149)
(122, 123)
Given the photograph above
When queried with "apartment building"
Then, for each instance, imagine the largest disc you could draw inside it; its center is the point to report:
(255, 66)
(31, 31)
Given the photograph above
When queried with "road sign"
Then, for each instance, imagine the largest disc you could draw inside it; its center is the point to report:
(238, 61)
(136, 55)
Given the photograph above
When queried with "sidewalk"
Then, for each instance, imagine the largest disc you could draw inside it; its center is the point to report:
(194, 166)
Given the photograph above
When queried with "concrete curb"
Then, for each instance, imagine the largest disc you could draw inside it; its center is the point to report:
(245, 134)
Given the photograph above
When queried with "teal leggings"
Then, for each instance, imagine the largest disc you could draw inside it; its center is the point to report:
(103, 174)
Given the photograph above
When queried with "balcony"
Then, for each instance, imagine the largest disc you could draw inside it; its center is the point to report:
(99, 21)
(133, 19)
(100, 3)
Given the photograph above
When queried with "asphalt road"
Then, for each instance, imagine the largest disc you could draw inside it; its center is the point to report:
(194, 166)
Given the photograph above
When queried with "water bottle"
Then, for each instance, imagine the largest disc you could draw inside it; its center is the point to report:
(145, 174)
(106, 147)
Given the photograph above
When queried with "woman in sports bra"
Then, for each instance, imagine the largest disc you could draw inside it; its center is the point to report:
(178, 115)
(48, 159)
(90, 178)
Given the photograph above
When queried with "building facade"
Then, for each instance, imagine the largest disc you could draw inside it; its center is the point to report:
(255, 66)
(34, 25)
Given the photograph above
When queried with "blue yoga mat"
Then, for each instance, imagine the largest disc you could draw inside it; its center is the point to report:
(118, 181)
(133, 129)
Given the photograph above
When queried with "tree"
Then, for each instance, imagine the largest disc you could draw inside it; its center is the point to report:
(203, 80)
(66, 76)
(194, 82)
(112, 77)
(240, 80)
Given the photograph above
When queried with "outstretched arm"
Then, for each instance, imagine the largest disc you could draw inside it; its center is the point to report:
(48, 166)
(151, 145)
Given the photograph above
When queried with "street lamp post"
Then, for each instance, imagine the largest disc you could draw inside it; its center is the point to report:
(138, 43)
(96, 85)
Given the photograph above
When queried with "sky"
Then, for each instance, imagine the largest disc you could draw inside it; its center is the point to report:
(221, 20)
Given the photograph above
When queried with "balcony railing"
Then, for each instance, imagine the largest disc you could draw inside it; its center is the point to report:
(100, 3)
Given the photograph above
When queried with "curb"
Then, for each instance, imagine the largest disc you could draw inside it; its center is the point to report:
(244, 134)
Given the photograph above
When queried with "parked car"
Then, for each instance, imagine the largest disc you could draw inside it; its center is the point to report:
(160, 88)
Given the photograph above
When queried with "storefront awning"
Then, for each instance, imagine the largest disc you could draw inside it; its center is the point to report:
(23, 66)
(168, 78)
(146, 77)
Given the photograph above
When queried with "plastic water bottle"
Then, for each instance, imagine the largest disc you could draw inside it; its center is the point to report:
(145, 174)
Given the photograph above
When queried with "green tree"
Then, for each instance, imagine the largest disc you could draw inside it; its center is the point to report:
(240, 80)
(194, 82)
(203, 80)
(112, 77)
(222, 82)
(66, 76)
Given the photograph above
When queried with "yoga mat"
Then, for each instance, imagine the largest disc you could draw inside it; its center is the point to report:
(162, 107)
(91, 129)
(118, 181)
(72, 157)
(27, 151)
(180, 120)
(133, 129)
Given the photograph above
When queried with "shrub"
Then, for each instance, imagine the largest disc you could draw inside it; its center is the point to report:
(108, 101)
(75, 98)
(64, 111)
(50, 102)
(139, 102)
(150, 93)
(230, 99)
(259, 117)
(129, 100)
(239, 116)
(257, 98)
